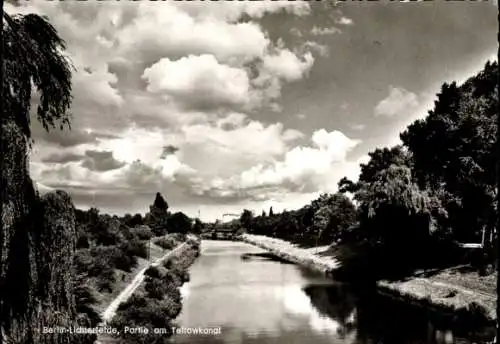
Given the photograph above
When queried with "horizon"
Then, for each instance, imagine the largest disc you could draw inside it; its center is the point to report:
(218, 124)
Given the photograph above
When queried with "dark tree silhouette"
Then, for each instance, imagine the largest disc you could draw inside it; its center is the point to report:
(32, 55)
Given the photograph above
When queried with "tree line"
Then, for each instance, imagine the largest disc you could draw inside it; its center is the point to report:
(414, 200)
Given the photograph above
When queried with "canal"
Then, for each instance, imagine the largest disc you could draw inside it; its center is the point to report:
(263, 301)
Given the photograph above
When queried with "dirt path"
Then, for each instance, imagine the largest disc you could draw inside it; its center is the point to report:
(110, 311)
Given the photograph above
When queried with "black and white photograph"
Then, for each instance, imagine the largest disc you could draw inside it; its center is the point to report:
(249, 172)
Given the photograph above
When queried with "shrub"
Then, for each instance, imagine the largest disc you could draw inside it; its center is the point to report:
(134, 247)
(111, 256)
(153, 272)
(106, 279)
(166, 243)
(167, 264)
(142, 232)
(145, 312)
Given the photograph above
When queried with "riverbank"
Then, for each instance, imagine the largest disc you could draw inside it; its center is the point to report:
(154, 292)
(123, 279)
(452, 290)
(306, 257)
(455, 289)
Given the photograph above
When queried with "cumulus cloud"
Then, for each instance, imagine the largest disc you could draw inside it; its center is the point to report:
(96, 86)
(198, 80)
(345, 21)
(324, 31)
(101, 161)
(232, 11)
(67, 138)
(287, 65)
(164, 99)
(303, 168)
(321, 49)
(398, 102)
(182, 34)
(62, 158)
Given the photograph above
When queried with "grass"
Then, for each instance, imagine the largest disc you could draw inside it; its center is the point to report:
(454, 288)
(124, 278)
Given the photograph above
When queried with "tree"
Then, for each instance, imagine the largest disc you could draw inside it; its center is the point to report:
(160, 202)
(158, 215)
(32, 56)
(179, 223)
(246, 219)
(263, 213)
(380, 159)
(455, 149)
(198, 226)
(395, 214)
(271, 211)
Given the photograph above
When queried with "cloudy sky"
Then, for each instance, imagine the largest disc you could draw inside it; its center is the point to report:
(222, 106)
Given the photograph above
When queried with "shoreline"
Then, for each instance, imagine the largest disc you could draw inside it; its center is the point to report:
(444, 295)
(449, 291)
(285, 250)
(184, 253)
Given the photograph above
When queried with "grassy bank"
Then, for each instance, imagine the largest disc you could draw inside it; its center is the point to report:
(307, 257)
(459, 291)
(123, 278)
(157, 301)
(454, 289)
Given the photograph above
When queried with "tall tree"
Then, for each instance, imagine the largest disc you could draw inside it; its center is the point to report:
(197, 226)
(246, 219)
(33, 61)
(32, 56)
(179, 223)
(455, 149)
(395, 211)
(157, 217)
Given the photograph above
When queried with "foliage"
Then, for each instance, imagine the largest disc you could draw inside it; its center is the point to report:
(32, 56)
(133, 221)
(197, 226)
(152, 271)
(179, 223)
(157, 218)
(142, 232)
(246, 218)
(417, 199)
(167, 243)
(455, 149)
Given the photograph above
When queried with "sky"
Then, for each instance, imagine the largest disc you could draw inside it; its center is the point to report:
(222, 106)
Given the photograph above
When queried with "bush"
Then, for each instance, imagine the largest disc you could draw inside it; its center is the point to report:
(110, 256)
(167, 264)
(134, 247)
(146, 312)
(154, 288)
(142, 232)
(167, 243)
(153, 272)
(106, 279)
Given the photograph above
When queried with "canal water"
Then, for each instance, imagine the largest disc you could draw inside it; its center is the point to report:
(263, 301)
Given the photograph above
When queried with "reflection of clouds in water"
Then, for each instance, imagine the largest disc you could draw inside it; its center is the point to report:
(298, 303)
(252, 301)
(250, 308)
(232, 312)
(184, 291)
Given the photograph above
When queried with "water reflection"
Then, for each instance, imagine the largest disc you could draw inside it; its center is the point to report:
(263, 301)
